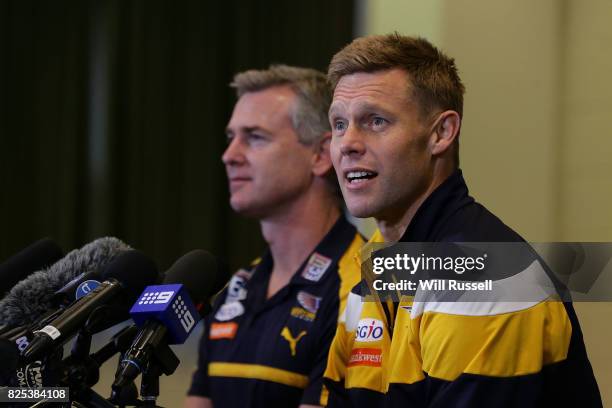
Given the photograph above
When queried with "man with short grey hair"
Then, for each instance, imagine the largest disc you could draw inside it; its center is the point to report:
(266, 340)
(313, 96)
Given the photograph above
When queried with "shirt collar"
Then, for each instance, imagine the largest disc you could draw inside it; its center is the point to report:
(366, 249)
(442, 203)
(332, 246)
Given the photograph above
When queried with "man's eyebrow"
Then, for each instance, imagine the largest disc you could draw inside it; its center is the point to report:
(333, 110)
(368, 106)
(359, 107)
(246, 129)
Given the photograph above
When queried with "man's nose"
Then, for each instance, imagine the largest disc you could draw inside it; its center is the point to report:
(352, 142)
(234, 154)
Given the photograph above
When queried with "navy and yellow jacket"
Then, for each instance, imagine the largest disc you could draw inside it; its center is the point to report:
(484, 354)
(359, 354)
(258, 352)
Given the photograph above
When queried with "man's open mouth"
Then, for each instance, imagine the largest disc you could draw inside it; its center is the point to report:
(356, 177)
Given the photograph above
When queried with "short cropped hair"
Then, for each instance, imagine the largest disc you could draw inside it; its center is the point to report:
(309, 115)
(434, 80)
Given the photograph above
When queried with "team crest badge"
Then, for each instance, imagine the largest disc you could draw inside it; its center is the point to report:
(229, 311)
(236, 288)
(316, 267)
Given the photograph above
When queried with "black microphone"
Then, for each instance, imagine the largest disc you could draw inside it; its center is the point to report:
(31, 298)
(38, 373)
(202, 273)
(77, 288)
(124, 279)
(37, 256)
(10, 359)
(198, 271)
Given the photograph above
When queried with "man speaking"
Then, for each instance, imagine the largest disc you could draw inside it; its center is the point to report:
(265, 343)
(395, 117)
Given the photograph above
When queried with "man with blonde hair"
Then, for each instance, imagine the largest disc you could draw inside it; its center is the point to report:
(395, 116)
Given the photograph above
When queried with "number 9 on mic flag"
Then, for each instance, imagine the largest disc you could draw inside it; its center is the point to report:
(169, 304)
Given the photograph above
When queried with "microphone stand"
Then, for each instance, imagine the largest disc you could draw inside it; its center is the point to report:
(81, 370)
(163, 361)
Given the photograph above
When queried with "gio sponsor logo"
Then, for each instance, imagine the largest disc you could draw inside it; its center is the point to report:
(369, 330)
(156, 298)
(184, 316)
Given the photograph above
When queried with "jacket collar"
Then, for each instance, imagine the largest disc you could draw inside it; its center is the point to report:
(442, 203)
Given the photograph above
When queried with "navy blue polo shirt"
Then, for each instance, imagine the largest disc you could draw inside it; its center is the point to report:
(258, 352)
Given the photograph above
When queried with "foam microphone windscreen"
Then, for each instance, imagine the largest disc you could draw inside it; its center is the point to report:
(34, 296)
(124, 279)
(35, 257)
(134, 271)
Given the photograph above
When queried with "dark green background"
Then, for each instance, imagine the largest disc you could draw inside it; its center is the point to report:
(158, 71)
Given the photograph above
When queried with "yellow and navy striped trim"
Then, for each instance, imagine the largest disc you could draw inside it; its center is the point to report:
(258, 372)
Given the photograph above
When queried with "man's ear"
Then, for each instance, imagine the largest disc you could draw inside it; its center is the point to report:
(321, 159)
(444, 132)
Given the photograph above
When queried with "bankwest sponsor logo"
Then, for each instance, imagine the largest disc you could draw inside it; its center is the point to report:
(365, 357)
(369, 330)
(223, 330)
